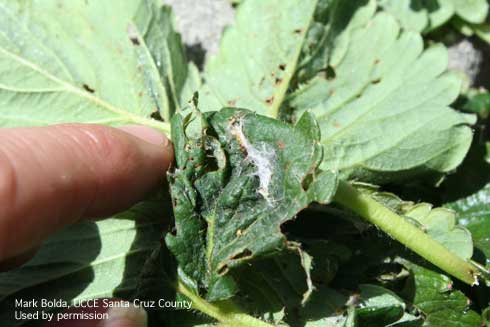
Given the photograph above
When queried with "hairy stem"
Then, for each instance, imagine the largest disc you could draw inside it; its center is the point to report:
(225, 311)
(406, 233)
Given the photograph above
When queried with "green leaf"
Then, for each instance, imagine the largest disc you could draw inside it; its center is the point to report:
(427, 15)
(286, 275)
(473, 11)
(329, 36)
(87, 260)
(483, 31)
(323, 310)
(381, 99)
(440, 224)
(71, 62)
(474, 213)
(271, 287)
(378, 306)
(374, 306)
(384, 114)
(432, 293)
(413, 15)
(154, 29)
(258, 60)
(238, 177)
(479, 104)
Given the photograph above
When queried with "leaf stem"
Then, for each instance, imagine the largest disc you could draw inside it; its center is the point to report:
(224, 311)
(406, 233)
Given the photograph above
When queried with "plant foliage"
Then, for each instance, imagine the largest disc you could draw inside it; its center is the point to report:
(269, 220)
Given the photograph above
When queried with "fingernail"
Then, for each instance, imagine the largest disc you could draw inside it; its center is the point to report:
(126, 317)
(147, 134)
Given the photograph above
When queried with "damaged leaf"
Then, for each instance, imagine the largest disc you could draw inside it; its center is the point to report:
(238, 177)
(71, 62)
(254, 68)
(385, 114)
(381, 99)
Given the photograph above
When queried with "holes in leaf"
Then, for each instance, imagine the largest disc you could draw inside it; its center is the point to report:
(330, 73)
(222, 270)
(389, 272)
(246, 253)
(211, 164)
(156, 115)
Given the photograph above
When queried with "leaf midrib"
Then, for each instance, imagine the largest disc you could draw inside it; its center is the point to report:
(281, 91)
(165, 127)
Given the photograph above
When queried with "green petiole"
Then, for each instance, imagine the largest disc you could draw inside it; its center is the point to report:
(225, 311)
(406, 233)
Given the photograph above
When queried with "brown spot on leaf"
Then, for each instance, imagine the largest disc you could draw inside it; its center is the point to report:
(133, 35)
(298, 31)
(376, 61)
(280, 145)
(336, 124)
(270, 100)
(282, 66)
(140, 94)
(376, 81)
(331, 92)
(278, 81)
(232, 102)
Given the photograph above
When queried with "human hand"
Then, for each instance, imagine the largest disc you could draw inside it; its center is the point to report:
(54, 176)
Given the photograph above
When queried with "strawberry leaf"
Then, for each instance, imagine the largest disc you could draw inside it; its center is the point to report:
(381, 99)
(85, 261)
(71, 62)
(239, 176)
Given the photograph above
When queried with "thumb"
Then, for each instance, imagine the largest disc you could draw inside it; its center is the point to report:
(54, 176)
